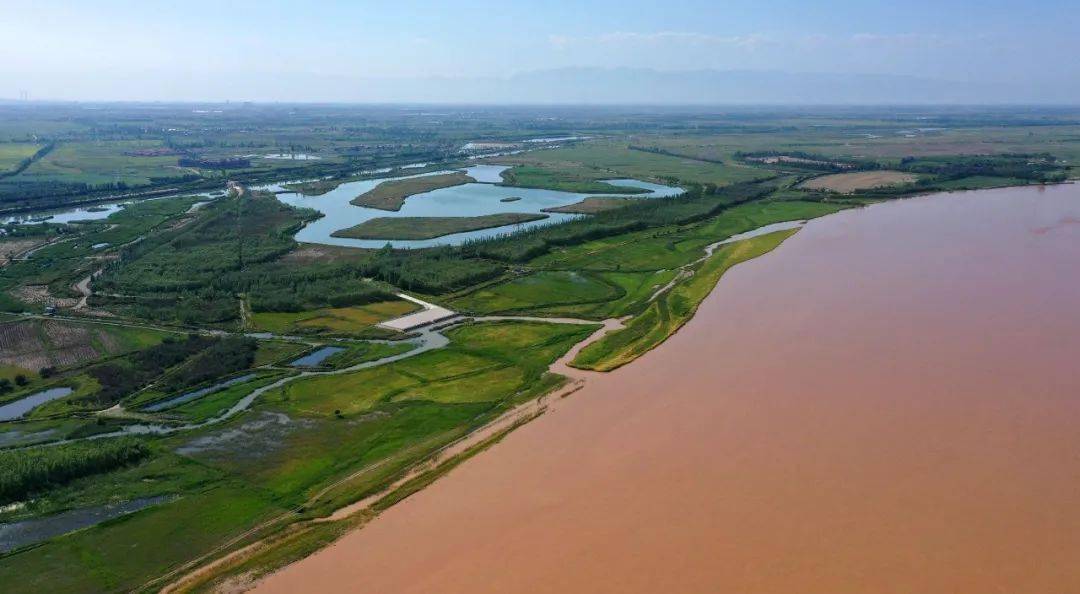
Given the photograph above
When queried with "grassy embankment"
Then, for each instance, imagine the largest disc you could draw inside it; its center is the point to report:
(391, 195)
(615, 276)
(430, 227)
(672, 308)
(298, 441)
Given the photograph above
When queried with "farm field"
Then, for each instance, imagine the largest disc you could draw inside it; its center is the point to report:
(617, 160)
(847, 183)
(103, 162)
(332, 320)
(13, 153)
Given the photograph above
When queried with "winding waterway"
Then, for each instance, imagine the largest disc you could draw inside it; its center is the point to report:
(888, 402)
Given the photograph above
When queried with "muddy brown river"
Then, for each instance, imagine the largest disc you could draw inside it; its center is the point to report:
(888, 403)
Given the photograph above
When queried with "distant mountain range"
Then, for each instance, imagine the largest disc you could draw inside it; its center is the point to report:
(646, 86)
(591, 86)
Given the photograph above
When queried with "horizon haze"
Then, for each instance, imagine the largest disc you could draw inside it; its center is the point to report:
(839, 52)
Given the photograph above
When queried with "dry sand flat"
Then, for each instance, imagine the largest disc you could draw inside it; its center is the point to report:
(846, 183)
(886, 403)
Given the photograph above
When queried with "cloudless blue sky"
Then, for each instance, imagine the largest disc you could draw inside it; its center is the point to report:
(128, 49)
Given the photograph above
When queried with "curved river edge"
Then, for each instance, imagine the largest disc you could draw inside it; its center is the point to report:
(238, 560)
(805, 470)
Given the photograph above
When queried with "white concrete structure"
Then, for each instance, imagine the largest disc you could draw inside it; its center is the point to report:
(430, 314)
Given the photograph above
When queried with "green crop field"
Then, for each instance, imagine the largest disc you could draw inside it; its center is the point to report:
(13, 153)
(610, 160)
(332, 320)
(103, 162)
(542, 288)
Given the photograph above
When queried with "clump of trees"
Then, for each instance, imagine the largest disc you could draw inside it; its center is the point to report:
(1037, 167)
(221, 358)
(698, 203)
(120, 378)
(26, 472)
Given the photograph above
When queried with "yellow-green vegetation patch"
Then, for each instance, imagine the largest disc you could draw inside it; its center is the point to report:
(485, 386)
(616, 159)
(113, 556)
(444, 363)
(846, 183)
(592, 205)
(349, 393)
(391, 195)
(316, 187)
(364, 352)
(340, 320)
(278, 351)
(216, 403)
(563, 176)
(101, 162)
(671, 247)
(672, 308)
(542, 289)
(431, 227)
(12, 154)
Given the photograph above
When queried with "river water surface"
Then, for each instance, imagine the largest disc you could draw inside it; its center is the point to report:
(889, 402)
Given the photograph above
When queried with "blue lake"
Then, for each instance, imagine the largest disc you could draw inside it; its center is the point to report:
(467, 200)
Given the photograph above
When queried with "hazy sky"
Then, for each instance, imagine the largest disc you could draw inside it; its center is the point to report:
(323, 50)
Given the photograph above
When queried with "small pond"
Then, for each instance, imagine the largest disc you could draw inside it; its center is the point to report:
(316, 357)
(27, 532)
(22, 406)
(194, 394)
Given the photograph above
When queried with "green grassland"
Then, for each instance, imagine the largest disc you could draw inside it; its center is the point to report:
(218, 402)
(543, 288)
(391, 195)
(562, 176)
(363, 352)
(13, 153)
(278, 351)
(104, 162)
(607, 159)
(673, 308)
(431, 227)
(332, 320)
(592, 205)
(671, 247)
